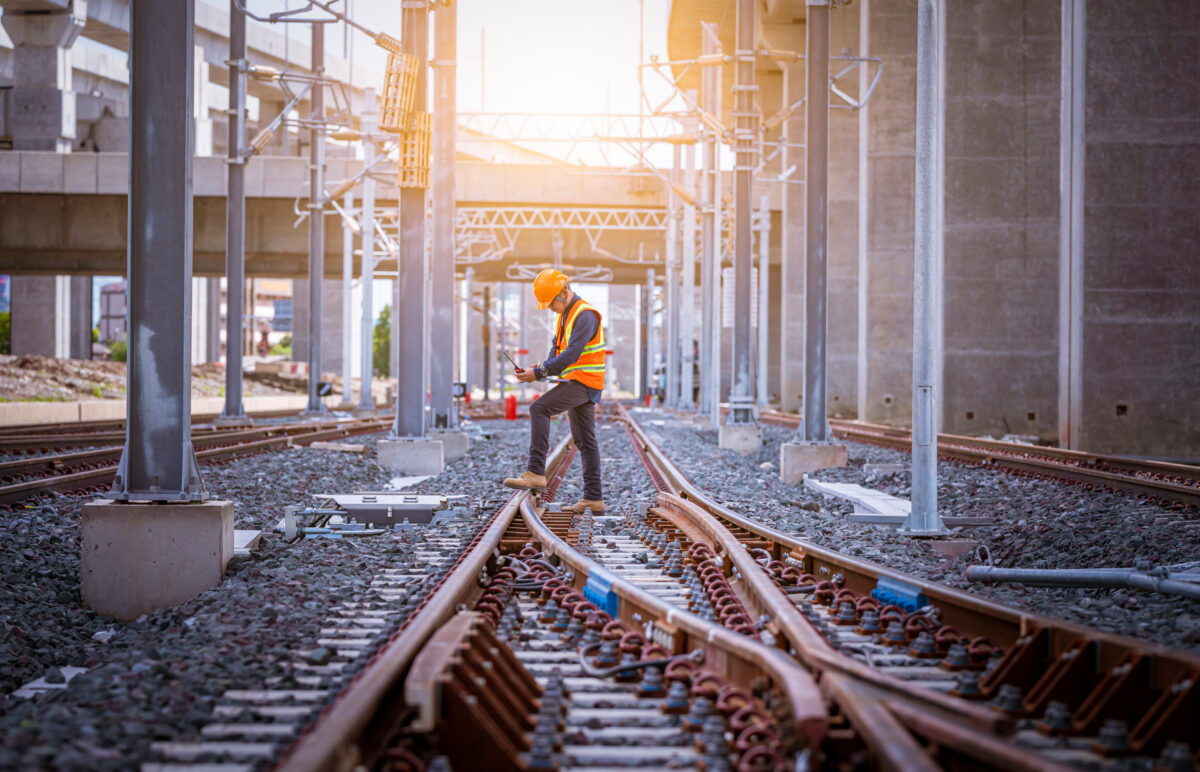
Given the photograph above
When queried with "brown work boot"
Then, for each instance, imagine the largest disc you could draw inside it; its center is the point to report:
(527, 481)
(596, 506)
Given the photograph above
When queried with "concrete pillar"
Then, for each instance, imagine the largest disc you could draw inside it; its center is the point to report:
(331, 323)
(81, 317)
(41, 316)
(41, 104)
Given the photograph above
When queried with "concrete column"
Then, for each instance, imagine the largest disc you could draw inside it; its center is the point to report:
(41, 104)
(213, 314)
(81, 317)
(791, 306)
(42, 316)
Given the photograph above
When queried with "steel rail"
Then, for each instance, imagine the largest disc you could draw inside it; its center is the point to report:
(1001, 623)
(118, 424)
(366, 710)
(1038, 641)
(59, 463)
(1163, 481)
(97, 478)
(723, 648)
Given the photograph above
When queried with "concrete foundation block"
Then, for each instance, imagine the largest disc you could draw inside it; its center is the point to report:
(744, 438)
(455, 443)
(135, 558)
(411, 455)
(797, 459)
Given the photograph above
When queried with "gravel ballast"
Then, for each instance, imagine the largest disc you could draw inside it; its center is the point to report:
(158, 678)
(1040, 524)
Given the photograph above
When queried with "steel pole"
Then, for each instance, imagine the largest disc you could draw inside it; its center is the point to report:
(651, 353)
(671, 289)
(410, 285)
(468, 366)
(710, 245)
(501, 336)
(816, 160)
(235, 217)
(316, 221)
(764, 297)
(158, 463)
(523, 340)
(741, 396)
(687, 305)
(441, 365)
(924, 517)
(347, 302)
(366, 398)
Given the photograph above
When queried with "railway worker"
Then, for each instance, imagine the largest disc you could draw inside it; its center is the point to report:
(577, 359)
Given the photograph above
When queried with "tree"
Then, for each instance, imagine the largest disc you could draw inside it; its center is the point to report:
(381, 343)
(5, 332)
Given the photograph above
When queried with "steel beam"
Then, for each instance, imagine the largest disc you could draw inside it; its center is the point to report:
(923, 518)
(651, 353)
(316, 221)
(366, 399)
(741, 397)
(158, 463)
(864, 212)
(441, 365)
(410, 286)
(816, 222)
(235, 217)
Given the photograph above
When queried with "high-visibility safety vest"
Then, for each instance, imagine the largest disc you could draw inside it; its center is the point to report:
(589, 368)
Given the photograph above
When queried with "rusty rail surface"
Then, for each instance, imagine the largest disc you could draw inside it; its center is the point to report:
(355, 725)
(92, 471)
(1166, 483)
(1090, 675)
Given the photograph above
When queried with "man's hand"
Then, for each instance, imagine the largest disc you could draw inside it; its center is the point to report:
(526, 375)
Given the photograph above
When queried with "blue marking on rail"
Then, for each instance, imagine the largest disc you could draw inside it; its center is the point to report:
(599, 590)
(897, 593)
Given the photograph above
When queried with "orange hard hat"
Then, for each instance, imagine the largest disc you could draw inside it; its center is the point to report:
(547, 285)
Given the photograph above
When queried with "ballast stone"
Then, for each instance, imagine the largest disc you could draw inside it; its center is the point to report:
(138, 557)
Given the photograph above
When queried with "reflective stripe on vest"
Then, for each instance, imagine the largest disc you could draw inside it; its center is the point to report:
(589, 368)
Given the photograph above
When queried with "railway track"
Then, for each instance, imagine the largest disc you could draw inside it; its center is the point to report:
(92, 470)
(686, 636)
(1168, 484)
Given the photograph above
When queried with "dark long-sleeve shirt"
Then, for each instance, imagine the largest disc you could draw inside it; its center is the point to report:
(586, 326)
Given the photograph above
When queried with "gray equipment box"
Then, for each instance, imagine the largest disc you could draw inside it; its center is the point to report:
(389, 508)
